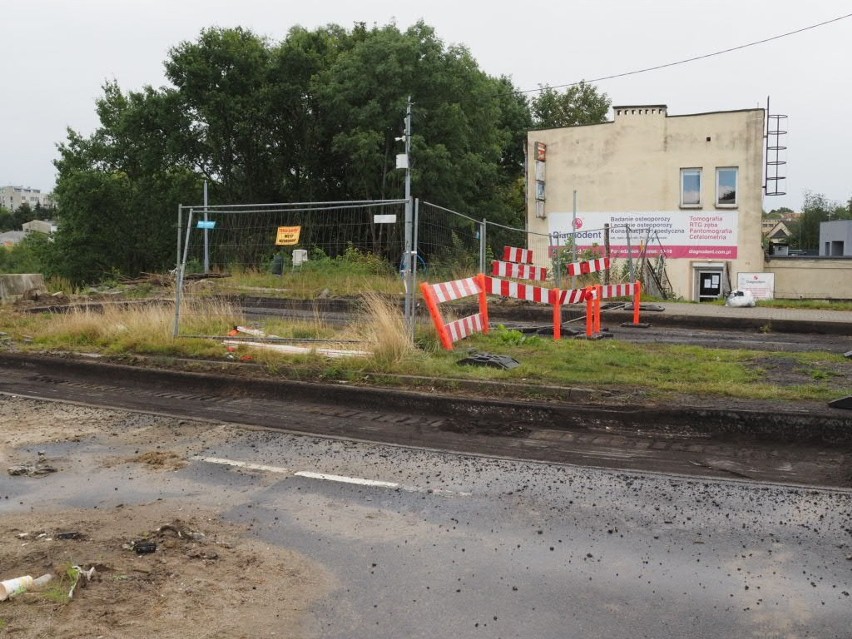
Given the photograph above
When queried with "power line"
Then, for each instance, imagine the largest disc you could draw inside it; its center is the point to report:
(693, 59)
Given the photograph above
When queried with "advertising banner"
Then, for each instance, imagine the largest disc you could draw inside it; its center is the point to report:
(761, 285)
(680, 234)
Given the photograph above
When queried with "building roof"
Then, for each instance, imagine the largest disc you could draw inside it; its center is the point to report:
(11, 237)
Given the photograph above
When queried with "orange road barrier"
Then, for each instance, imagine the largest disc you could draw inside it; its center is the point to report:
(435, 294)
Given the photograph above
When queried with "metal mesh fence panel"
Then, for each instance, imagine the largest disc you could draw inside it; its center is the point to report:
(448, 243)
(243, 237)
(248, 238)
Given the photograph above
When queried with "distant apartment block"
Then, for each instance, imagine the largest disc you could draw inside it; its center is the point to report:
(12, 197)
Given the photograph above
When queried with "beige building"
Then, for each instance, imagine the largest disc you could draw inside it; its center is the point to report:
(689, 187)
(12, 197)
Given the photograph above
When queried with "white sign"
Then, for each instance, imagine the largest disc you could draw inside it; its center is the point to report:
(687, 234)
(384, 219)
(761, 285)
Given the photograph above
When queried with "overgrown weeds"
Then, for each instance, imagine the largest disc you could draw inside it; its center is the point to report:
(384, 328)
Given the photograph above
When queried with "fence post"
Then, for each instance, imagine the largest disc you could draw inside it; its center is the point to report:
(630, 255)
(482, 231)
(606, 252)
(180, 273)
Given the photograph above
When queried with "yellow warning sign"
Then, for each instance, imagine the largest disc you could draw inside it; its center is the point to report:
(288, 235)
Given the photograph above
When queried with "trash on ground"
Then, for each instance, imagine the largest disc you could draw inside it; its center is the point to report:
(740, 299)
(70, 535)
(142, 546)
(489, 359)
(11, 587)
(75, 572)
(286, 348)
(843, 402)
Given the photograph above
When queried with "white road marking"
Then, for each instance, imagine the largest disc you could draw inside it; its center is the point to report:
(343, 479)
(347, 480)
(241, 464)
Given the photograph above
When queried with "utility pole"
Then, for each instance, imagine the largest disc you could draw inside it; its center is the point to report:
(404, 161)
(206, 238)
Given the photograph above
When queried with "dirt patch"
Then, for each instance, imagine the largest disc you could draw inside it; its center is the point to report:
(206, 577)
(779, 370)
(160, 460)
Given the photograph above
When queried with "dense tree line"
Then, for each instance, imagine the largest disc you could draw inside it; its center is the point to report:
(314, 117)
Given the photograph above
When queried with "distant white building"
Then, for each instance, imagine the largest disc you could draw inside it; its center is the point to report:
(39, 226)
(12, 197)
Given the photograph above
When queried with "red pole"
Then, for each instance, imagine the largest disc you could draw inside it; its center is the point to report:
(637, 300)
(598, 298)
(437, 318)
(557, 313)
(483, 303)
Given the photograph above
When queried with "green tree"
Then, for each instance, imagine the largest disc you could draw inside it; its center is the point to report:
(315, 117)
(7, 220)
(579, 104)
(815, 210)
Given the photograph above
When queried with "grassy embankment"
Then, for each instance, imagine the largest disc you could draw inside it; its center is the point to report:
(656, 370)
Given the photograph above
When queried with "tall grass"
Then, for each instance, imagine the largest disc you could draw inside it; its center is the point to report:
(144, 328)
(385, 331)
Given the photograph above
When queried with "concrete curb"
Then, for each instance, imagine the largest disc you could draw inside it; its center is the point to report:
(474, 415)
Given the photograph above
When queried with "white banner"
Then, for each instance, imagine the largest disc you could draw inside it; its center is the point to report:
(686, 234)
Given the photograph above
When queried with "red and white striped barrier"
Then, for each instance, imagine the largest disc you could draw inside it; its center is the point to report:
(517, 290)
(589, 266)
(450, 332)
(518, 271)
(512, 254)
(457, 289)
(517, 264)
(619, 290)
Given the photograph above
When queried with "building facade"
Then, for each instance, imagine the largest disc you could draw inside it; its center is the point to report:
(689, 187)
(12, 197)
(835, 238)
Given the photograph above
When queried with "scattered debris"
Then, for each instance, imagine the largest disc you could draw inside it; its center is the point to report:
(143, 546)
(284, 348)
(38, 469)
(11, 587)
(843, 402)
(70, 535)
(848, 354)
(489, 359)
(74, 573)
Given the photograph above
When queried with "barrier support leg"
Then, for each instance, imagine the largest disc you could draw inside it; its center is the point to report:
(437, 318)
(637, 301)
(483, 303)
(590, 312)
(598, 298)
(557, 315)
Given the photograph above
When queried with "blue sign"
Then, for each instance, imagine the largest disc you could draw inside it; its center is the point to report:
(206, 225)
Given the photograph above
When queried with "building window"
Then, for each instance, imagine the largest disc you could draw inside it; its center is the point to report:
(690, 187)
(726, 186)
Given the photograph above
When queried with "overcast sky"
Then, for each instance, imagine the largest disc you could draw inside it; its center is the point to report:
(56, 55)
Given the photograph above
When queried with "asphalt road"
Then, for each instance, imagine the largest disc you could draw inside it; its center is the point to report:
(429, 544)
(597, 438)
